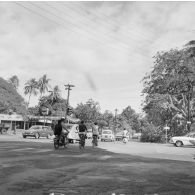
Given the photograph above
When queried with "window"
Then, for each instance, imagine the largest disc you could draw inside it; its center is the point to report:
(35, 128)
(106, 132)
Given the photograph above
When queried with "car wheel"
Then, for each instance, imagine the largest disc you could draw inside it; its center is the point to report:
(37, 136)
(178, 143)
(24, 136)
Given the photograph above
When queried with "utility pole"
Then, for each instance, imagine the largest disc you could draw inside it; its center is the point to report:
(115, 120)
(190, 92)
(68, 87)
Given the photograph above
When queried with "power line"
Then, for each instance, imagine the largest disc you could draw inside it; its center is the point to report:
(48, 11)
(60, 24)
(104, 34)
(34, 12)
(114, 22)
(109, 20)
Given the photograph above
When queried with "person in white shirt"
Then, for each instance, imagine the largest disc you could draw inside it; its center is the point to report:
(95, 133)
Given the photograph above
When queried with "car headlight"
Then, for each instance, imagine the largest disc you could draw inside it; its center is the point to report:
(171, 140)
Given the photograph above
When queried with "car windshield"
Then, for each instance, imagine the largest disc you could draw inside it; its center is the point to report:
(190, 134)
(35, 128)
(106, 132)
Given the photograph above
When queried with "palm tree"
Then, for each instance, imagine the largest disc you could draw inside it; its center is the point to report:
(43, 84)
(55, 94)
(31, 88)
(14, 81)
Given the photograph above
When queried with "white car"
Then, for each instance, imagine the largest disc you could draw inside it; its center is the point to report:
(188, 139)
(107, 135)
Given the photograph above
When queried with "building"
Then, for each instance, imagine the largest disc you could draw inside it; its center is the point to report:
(25, 122)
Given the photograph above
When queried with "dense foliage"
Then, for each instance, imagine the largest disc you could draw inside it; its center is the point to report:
(10, 100)
(169, 88)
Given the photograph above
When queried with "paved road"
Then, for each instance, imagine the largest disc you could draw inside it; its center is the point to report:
(36, 168)
(152, 150)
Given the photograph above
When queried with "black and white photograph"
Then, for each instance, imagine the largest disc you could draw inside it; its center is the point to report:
(97, 97)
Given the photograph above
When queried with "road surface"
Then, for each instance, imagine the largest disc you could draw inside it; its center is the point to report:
(35, 168)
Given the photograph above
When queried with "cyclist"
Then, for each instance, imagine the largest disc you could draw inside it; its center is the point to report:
(82, 134)
(95, 133)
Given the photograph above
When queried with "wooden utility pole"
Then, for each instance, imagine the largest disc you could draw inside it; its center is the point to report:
(68, 87)
(115, 124)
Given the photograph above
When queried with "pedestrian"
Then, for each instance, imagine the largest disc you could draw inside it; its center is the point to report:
(95, 134)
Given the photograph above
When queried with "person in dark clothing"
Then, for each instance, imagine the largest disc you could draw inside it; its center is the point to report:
(58, 128)
(82, 127)
(82, 134)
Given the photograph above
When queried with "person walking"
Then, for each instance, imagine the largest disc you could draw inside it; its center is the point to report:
(95, 134)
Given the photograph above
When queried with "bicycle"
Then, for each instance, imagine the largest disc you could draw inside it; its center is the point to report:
(95, 141)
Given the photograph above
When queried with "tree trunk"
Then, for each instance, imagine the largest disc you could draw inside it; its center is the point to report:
(29, 100)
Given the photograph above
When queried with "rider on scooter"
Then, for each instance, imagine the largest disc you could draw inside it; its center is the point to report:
(60, 129)
(125, 134)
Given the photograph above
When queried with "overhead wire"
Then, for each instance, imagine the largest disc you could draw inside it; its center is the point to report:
(72, 24)
(136, 50)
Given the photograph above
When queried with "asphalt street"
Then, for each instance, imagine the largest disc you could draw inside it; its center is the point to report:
(33, 167)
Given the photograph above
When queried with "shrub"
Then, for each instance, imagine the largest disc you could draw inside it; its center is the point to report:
(152, 134)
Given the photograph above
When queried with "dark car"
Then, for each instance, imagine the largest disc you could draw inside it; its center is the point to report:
(38, 131)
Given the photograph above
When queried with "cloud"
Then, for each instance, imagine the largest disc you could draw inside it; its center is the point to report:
(101, 47)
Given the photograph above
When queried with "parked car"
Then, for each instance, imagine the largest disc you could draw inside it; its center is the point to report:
(38, 131)
(119, 136)
(107, 135)
(136, 136)
(185, 140)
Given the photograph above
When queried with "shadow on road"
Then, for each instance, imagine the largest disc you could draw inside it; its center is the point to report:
(36, 168)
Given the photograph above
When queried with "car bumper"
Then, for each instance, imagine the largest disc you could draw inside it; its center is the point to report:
(192, 142)
(28, 134)
(107, 138)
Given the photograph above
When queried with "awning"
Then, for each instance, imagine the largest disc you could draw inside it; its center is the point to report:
(53, 118)
(45, 121)
(13, 117)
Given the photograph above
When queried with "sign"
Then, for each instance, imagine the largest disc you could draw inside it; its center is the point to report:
(14, 117)
(167, 128)
(45, 111)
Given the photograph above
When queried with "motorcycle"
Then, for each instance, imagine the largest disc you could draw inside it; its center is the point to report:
(61, 140)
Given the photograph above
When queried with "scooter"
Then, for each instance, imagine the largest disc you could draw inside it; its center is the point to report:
(125, 140)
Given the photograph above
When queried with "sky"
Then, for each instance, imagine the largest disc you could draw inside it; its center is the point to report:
(103, 48)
